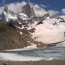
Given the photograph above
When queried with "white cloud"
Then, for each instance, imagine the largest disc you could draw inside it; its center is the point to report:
(52, 12)
(63, 11)
(16, 7)
(38, 9)
(1, 9)
(44, 6)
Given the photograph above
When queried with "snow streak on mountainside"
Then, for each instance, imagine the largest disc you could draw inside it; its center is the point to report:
(37, 31)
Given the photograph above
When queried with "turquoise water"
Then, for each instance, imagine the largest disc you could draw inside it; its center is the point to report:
(48, 53)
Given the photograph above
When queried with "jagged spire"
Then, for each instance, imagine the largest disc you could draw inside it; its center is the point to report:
(3, 14)
(29, 1)
(28, 10)
(6, 9)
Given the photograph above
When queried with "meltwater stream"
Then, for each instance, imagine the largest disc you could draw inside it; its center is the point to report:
(49, 53)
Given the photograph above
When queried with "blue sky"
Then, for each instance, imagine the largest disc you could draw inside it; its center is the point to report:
(53, 4)
(56, 5)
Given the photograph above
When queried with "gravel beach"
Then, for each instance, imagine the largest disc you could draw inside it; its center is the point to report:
(52, 62)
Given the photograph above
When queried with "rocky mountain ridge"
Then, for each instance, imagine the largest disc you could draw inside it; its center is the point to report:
(27, 30)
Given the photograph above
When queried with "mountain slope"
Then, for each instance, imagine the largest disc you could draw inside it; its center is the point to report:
(10, 39)
(25, 30)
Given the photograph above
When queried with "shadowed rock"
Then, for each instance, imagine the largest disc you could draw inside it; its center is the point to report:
(28, 10)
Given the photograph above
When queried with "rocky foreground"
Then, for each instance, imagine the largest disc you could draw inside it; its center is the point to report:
(53, 62)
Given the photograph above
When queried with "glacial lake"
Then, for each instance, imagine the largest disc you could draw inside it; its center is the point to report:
(48, 53)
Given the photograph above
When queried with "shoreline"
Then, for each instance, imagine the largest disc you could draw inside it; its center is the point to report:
(42, 62)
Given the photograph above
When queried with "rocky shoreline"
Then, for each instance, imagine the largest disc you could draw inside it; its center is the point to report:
(51, 62)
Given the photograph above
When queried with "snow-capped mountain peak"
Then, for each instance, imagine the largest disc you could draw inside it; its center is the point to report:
(28, 10)
(8, 15)
(40, 31)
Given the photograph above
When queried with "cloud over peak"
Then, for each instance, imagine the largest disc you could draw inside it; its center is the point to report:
(52, 12)
(63, 10)
(38, 9)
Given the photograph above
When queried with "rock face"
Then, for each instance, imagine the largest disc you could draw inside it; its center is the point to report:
(11, 39)
(6, 9)
(3, 15)
(25, 29)
(28, 10)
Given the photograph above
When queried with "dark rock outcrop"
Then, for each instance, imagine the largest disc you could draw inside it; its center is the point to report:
(11, 39)
(28, 10)
(3, 14)
(6, 9)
